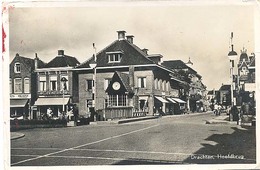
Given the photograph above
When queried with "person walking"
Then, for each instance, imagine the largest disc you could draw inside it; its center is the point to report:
(235, 114)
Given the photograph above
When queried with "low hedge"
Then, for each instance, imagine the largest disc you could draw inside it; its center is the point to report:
(28, 124)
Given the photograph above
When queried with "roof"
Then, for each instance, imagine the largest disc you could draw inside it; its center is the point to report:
(63, 61)
(243, 56)
(224, 87)
(132, 55)
(177, 64)
(125, 80)
(28, 61)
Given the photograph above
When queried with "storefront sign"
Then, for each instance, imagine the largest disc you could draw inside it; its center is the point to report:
(20, 96)
(250, 87)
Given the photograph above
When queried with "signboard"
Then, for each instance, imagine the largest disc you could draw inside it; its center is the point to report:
(250, 86)
(20, 96)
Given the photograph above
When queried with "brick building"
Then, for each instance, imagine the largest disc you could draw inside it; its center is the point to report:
(52, 93)
(129, 82)
(22, 85)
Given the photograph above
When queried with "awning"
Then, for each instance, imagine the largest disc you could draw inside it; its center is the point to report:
(171, 100)
(178, 100)
(143, 98)
(18, 102)
(161, 99)
(51, 101)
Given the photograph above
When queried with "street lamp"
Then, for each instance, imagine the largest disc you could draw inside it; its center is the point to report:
(64, 87)
(93, 65)
(232, 55)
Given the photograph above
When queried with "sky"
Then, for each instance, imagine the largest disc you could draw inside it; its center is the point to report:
(201, 32)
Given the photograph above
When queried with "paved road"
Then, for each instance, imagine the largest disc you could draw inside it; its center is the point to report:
(169, 140)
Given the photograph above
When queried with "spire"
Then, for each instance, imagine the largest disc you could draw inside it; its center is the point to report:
(189, 62)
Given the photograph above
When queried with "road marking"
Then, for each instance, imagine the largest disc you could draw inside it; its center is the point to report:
(37, 148)
(106, 158)
(112, 137)
(126, 151)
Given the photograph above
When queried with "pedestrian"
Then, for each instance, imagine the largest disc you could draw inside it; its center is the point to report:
(216, 109)
(235, 114)
(49, 113)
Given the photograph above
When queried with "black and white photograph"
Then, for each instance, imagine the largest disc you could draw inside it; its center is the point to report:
(130, 84)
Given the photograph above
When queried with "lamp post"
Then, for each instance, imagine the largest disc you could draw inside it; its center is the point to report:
(232, 55)
(93, 65)
(64, 87)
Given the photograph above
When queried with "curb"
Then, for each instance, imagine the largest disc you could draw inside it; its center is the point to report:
(15, 135)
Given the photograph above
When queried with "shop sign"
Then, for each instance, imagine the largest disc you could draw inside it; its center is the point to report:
(250, 87)
(20, 96)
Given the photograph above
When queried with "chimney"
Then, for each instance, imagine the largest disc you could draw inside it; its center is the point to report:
(121, 35)
(60, 52)
(17, 55)
(130, 39)
(36, 61)
(145, 50)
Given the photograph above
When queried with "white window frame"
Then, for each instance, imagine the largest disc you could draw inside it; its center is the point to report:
(117, 100)
(67, 82)
(140, 79)
(26, 84)
(42, 83)
(156, 83)
(53, 79)
(16, 70)
(21, 85)
(114, 57)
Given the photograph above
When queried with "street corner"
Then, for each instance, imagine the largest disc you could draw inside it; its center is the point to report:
(16, 135)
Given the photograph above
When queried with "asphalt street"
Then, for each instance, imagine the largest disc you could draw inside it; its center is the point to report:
(183, 139)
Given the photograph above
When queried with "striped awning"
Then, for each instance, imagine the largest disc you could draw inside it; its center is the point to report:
(48, 101)
(171, 100)
(161, 99)
(178, 100)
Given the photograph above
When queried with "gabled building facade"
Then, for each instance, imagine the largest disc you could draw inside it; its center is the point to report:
(22, 85)
(129, 82)
(56, 85)
(194, 90)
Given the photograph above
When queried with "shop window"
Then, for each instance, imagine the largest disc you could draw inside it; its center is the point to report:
(17, 68)
(26, 85)
(117, 100)
(18, 85)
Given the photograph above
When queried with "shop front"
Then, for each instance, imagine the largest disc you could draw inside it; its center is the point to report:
(19, 108)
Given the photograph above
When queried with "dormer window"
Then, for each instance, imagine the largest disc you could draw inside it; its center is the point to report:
(114, 57)
(17, 68)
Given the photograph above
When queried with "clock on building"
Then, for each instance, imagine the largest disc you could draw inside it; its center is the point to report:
(116, 85)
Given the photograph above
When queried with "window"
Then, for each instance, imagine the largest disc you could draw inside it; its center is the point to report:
(114, 57)
(89, 84)
(26, 85)
(156, 84)
(10, 85)
(17, 68)
(65, 85)
(163, 85)
(167, 86)
(53, 83)
(142, 82)
(18, 85)
(42, 86)
(117, 100)
(159, 85)
(106, 83)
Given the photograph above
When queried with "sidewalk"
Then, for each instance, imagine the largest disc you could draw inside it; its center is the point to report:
(128, 120)
(16, 135)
